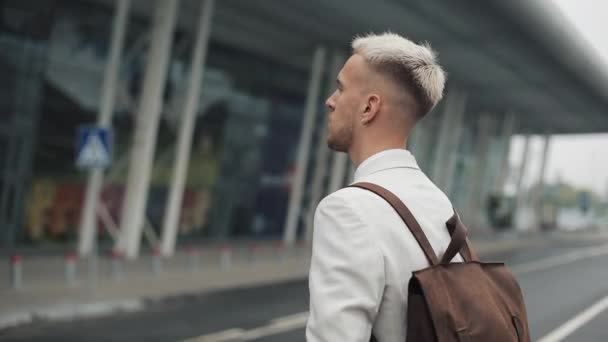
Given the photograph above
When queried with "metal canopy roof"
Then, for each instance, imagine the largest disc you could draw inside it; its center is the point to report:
(515, 55)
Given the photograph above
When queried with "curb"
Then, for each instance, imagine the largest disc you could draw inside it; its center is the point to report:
(66, 312)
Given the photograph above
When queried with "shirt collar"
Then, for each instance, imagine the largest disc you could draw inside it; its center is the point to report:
(387, 159)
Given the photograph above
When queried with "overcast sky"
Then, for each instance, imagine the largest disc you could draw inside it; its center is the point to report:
(581, 160)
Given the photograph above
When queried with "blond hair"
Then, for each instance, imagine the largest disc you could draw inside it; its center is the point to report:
(411, 65)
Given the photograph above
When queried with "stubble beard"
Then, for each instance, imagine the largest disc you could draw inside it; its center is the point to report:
(340, 140)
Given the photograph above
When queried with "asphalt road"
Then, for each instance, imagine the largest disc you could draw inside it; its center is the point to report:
(560, 280)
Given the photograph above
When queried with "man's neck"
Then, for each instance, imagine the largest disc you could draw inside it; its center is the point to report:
(360, 152)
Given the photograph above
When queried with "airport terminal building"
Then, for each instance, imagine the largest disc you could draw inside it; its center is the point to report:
(216, 110)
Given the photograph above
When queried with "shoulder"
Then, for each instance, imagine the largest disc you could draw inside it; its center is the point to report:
(341, 223)
(345, 200)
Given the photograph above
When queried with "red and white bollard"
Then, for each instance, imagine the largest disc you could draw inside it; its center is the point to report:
(70, 269)
(116, 265)
(16, 272)
(194, 259)
(225, 257)
(157, 262)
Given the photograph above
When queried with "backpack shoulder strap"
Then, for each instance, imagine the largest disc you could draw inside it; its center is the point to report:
(406, 216)
(459, 242)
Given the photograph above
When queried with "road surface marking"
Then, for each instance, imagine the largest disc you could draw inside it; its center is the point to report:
(297, 321)
(559, 260)
(276, 326)
(226, 335)
(576, 322)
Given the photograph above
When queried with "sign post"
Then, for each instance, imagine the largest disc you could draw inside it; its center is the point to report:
(94, 152)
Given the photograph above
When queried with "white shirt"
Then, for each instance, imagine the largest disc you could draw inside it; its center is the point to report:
(364, 255)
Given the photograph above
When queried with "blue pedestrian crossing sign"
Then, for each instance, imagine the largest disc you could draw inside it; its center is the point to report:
(94, 147)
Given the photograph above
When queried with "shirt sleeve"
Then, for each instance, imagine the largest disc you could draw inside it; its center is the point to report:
(346, 280)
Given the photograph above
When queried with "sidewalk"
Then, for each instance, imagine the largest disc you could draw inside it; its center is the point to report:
(46, 295)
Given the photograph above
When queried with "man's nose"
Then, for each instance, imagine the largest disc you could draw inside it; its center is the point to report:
(329, 104)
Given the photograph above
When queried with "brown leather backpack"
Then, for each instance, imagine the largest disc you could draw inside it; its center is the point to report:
(461, 301)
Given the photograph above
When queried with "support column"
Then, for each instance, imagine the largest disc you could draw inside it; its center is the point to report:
(421, 138)
(475, 210)
(184, 144)
(88, 219)
(538, 193)
(350, 174)
(299, 179)
(338, 171)
(503, 173)
(453, 111)
(486, 175)
(454, 146)
(144, 142)
(322, 153)
(519, 196)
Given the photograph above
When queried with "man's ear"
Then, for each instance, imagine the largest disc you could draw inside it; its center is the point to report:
(370, 111)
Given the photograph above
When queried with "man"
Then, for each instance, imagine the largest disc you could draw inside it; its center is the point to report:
(363, 254)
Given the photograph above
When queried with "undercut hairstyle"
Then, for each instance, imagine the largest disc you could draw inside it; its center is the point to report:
(410, 65)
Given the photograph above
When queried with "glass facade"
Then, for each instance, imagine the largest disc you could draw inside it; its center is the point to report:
(52, 59)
